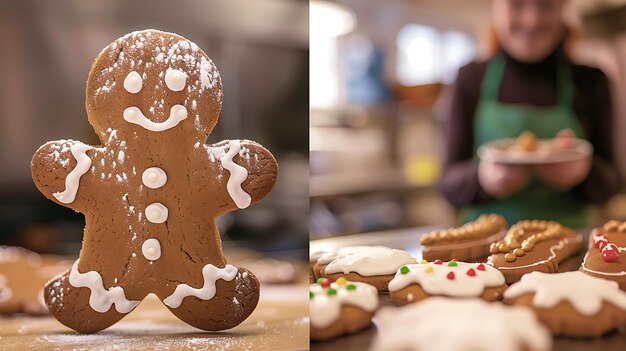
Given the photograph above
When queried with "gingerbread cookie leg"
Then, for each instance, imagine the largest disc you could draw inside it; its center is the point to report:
(227, 297)
(85, 309)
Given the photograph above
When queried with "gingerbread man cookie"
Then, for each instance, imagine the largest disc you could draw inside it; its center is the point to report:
(606, 256)
(150, 193)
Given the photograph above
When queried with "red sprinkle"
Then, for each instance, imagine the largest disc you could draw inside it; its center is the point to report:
(471, 272)
(450, 276)
(438, 262)
(326, 283)
(610, 253)
(480, 267)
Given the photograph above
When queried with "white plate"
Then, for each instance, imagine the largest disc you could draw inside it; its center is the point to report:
(498, 151)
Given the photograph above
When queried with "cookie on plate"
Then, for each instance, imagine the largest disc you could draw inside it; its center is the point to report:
(469, 242)
(572, 303)
(415, 282)
(444, 324)
(533, 245)
(23, 274)
(375, 265)
(606, 255)
(340, 307)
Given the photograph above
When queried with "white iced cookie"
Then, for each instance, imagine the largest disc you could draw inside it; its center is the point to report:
(327, 302)
(133, 82)
(453, 279)
(156, 212)
(444, 324)
(365, 260)
(584, 292)
(154, 177)
(175, 79)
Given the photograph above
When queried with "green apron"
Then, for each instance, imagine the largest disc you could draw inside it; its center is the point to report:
(496, 120)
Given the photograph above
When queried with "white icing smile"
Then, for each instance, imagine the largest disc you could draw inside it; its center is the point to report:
(134, 115)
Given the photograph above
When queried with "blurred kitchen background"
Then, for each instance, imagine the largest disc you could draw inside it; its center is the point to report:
(377, 69)
(261, 49)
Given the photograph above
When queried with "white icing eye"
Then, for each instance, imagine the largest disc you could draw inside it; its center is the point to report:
(175, 79)
(154, 177)
(156, 213)
(133, 82)
(151, 249)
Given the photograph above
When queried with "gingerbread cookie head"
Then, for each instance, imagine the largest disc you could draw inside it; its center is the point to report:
(151, 192)
(155, 81)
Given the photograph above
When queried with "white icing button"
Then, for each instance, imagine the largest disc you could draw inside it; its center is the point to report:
(133, 82)
(151, 249)
(156, 213)
(130, 113)
(154, 177)
(175, 79)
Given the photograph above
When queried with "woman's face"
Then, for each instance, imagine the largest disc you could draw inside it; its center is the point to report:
(528, 29)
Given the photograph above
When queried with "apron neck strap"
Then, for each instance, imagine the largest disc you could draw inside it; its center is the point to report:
(495, 70)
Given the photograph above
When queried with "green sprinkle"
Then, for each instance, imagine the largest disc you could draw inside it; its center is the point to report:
(351, 287)
(452, 264)
(404, 270)
(320, 280)
(331, 292)
(311, 295)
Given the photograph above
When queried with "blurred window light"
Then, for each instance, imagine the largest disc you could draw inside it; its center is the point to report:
(427, 55)
(327, 21)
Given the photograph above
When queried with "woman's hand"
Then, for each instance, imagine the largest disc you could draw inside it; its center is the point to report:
(502, 180)
(564, 175)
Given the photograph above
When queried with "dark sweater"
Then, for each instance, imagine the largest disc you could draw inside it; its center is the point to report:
(529, 84)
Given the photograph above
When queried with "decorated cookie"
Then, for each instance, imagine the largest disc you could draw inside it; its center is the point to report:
(341, 307)
(572, 303)
(415, 282)
(313, 257)
(533, 246)
(469, 242)
(606, 255)
(23, 275)
(150, 193)
(444, 324)
(375, 265)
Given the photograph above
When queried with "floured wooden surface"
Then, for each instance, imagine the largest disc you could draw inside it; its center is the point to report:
(280, 322)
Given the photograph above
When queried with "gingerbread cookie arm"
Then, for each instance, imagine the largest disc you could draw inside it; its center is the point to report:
(58, 168)
(246, 170)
